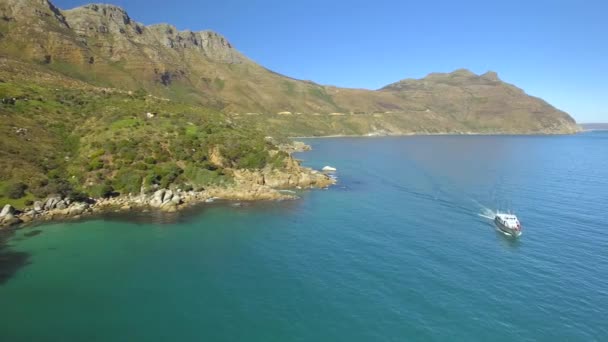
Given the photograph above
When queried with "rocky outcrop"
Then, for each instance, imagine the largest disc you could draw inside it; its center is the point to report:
(216, 158)
(293, 175)
(249, 185)
(99, 20)
(51, 202)
(164, 199)
(38, 206)
(7, 210)
(8, 216)
(292, 147)
(77, 209)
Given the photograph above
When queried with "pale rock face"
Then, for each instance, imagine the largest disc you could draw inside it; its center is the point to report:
(28, 217)
(157, 198)
(10, 220)
(51, 203)
(38, 206)
(168, 196)
(92, 21)
(176, 199)
(14, 10)
(61, 205)
(77, 209)
(215, 157)
(208, 43)
(7, 210)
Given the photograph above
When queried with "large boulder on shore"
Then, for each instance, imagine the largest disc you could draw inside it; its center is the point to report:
(61, 205)
(157, 198)
(51, 202)
(28, 217)
(77, 209)
(10, 220)
(177, 199)
(38, 206)
(168, 196)
(7, 210)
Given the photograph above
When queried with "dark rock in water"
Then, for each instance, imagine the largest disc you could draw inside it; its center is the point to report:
(11, 262)
(33, 233)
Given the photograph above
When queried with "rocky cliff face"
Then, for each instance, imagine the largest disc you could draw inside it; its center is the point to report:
(118, 36)
(103, 45)
(37, 30)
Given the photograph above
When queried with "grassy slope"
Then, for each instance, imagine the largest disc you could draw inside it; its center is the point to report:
(63, 133)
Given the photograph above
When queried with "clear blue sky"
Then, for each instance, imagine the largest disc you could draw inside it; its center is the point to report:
(554, 49)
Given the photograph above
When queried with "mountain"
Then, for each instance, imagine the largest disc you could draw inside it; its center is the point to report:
(104, 46)
(91, 100)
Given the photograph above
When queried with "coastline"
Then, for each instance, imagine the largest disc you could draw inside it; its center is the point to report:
(439, 134)
(249, 185)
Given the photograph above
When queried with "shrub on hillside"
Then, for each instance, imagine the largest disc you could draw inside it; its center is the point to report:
(52, 186)
(15, 190)
(78, 196)
(105, 190)
(128, 181)
(95, 164)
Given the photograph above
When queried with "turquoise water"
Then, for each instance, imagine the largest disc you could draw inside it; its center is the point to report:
(398, 251)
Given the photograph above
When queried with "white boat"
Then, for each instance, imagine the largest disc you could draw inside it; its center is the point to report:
(508, 224)
(329, 169)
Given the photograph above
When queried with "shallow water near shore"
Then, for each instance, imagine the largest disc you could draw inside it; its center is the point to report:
(398, 250)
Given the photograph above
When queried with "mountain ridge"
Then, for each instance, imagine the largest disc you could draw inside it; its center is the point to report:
(103, 45)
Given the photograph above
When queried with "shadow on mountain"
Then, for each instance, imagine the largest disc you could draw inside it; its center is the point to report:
(10, 261)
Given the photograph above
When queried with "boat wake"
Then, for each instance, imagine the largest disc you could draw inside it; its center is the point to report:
(485, 212)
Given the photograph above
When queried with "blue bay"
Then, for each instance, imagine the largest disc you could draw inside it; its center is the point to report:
(399, 250)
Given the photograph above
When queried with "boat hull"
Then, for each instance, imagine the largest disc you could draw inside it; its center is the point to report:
(507, 230)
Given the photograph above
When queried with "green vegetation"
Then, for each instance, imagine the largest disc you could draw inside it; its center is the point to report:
(15, 190)
(80, 141)
(321, 94)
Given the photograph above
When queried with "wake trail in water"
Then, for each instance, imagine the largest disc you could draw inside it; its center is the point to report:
(485, 212)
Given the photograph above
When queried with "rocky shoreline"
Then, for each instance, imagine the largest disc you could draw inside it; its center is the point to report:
(248, 185)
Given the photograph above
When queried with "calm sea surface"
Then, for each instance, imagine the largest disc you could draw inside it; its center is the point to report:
(399, 250)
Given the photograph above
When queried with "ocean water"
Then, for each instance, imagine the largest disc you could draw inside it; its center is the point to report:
(399, 250)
